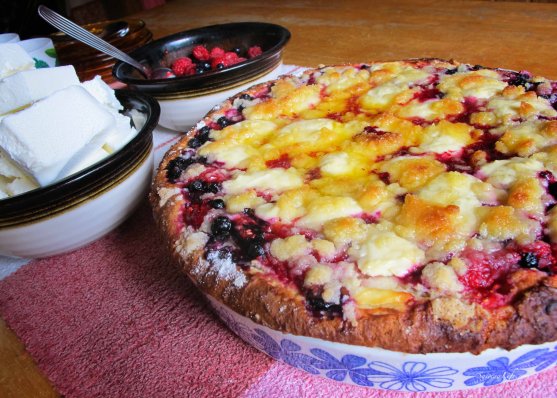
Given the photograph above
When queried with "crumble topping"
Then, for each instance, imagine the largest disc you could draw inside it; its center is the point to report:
(373, 187)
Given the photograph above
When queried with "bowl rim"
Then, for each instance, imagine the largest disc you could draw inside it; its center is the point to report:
(216, 78)
(52, 199)
(232, 85)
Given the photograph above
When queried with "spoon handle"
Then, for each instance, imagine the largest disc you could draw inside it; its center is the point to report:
(83, 35)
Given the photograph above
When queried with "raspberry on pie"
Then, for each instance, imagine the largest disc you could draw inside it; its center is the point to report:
(405, 205)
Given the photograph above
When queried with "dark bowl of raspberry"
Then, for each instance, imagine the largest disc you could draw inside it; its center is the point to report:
(208, 64)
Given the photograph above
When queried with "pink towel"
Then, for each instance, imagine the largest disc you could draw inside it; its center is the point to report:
(115, 319)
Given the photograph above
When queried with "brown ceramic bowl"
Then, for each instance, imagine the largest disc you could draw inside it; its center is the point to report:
(127, 35)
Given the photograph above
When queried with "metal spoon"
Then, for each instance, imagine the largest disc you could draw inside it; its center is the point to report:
(77, 32)
(116, 28)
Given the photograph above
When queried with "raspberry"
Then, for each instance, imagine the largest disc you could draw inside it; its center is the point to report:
(231, 58)
(218, 63)
(217, 52)
(228, 59)
(230, 55)
(181, 65)
(201, 53)
(254, 51)
(485, 269)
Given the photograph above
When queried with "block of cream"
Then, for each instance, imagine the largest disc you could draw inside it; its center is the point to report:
(43, 138)
(26, 87)
(13, 59)
(12, 180)
(122, 131)
(103, 93)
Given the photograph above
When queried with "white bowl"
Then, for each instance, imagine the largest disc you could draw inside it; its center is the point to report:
(41, 49)
(86, 205)
(390, 370)
(9, 38)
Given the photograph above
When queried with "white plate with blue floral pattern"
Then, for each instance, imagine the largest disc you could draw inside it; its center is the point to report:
(391, 370)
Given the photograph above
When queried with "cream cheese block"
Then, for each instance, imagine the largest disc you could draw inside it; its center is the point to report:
(32, 137)
(103, 93)
(12, 180)
(13, 59)
(24, 88)
(122, 131)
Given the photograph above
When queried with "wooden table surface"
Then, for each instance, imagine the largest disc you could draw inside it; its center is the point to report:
(519, 36)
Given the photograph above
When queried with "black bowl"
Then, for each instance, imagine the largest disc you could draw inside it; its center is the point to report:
(162, 52)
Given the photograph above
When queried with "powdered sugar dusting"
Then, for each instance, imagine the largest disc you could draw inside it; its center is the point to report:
(201, 268)
(225, 267)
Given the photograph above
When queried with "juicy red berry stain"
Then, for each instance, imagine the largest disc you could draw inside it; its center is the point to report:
(372, 130)
(385, 177)
(283, 162)
(194, 213)
(537, 254)
(313, 174)
(428, 94)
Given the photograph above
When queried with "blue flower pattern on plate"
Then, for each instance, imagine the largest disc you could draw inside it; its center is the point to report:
(286, 351)
(501, 369)
(349, 365)
(412, 376)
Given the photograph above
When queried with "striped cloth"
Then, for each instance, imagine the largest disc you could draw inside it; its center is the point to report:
(116, 319)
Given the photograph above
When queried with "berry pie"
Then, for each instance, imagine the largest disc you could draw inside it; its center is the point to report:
(406, 205)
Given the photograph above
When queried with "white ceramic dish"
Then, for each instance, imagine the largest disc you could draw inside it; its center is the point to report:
(81, 224)
(9, 38)
(390, 370)
(86, 205)
(41, 49)
(182, 113)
